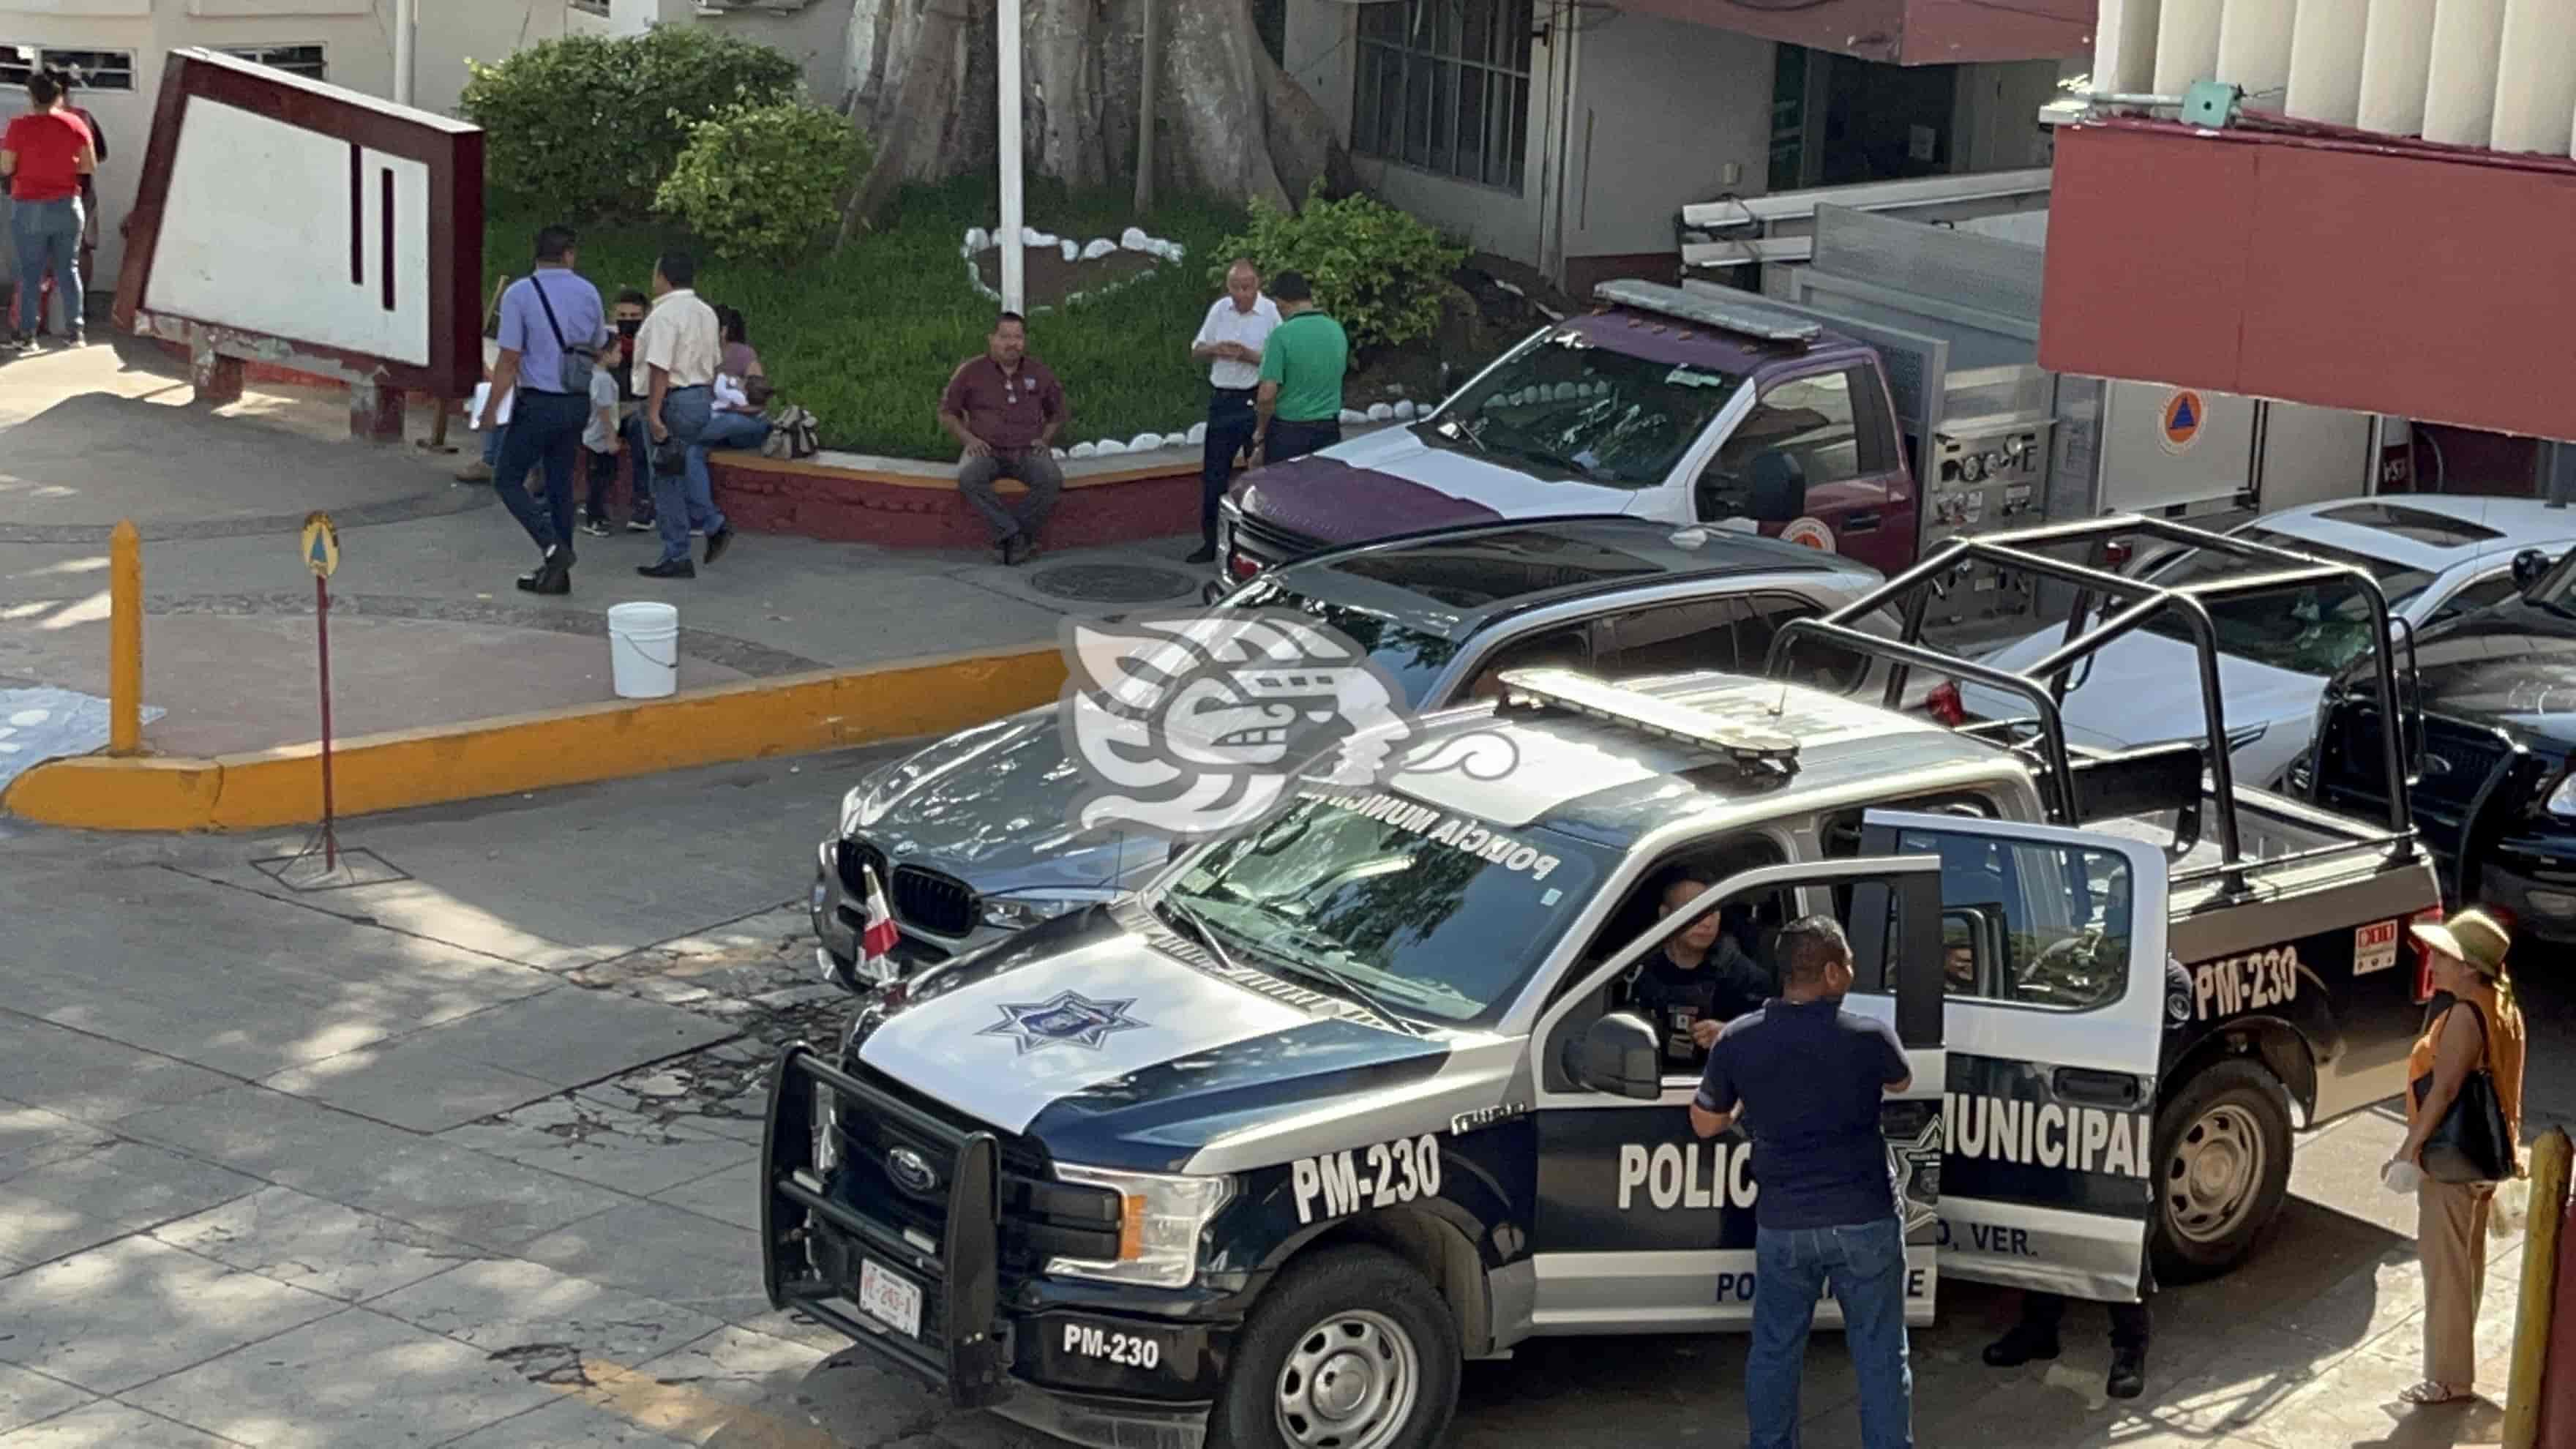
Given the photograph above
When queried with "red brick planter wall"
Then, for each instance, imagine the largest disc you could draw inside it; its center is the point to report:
(768, 495)
(847, 505)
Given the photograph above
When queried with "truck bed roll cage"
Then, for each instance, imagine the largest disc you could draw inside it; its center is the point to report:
(2043, 684)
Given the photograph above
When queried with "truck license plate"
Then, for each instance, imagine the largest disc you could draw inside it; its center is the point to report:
(889, 1299)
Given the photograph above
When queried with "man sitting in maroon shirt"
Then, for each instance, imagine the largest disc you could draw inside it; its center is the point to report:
(1005, 407)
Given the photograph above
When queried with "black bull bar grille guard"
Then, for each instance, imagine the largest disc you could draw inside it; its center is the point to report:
(962, 1347)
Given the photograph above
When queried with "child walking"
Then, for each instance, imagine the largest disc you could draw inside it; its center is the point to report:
(599, 439)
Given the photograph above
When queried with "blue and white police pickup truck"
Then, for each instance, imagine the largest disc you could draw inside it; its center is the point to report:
(1259, 1155)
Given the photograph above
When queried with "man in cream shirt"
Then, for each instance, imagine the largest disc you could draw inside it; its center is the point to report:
(681, 347)
(1230, 343)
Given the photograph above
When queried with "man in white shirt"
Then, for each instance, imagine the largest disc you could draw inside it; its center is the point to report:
(1230, 343)
(681, 348)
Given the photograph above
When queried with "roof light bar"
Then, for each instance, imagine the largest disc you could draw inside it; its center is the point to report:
(1750, 319)
(1581, 694)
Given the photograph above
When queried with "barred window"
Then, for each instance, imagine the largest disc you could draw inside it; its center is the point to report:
(594, 7)
(100, 70)
(1444, 85)
(295, 60)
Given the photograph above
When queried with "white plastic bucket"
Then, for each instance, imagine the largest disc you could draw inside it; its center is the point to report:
(644, 650)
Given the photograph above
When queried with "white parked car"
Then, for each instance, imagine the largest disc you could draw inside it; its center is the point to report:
(2435, 557)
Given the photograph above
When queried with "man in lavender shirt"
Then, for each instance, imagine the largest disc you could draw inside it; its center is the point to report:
(550, 312)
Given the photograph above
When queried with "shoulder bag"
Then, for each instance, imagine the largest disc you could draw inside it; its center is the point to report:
(572, 373)
(2471, 1143)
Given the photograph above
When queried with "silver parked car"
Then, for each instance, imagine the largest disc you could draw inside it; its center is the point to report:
(2436, 557)
(971, 836)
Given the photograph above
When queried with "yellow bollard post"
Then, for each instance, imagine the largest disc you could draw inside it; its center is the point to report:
(125, 640)
(2531, 1326)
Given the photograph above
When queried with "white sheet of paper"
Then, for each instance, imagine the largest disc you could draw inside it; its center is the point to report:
(474, 405)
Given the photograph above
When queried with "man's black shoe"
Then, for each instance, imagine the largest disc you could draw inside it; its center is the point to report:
(2128, 1374)
(549, 578)
(2021, 1346)
(718, 542)
(1206, 554)
(552, 576)
(677, 568)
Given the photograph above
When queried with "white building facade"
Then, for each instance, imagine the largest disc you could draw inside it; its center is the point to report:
(1568, 134)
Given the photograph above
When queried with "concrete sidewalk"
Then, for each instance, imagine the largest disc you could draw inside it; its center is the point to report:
(427, 628)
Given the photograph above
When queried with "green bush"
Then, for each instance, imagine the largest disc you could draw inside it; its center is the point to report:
(586, 127)
(1377, 270)
(760, 181)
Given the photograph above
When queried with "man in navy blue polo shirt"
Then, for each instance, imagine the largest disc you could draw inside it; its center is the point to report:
(1807, 1078)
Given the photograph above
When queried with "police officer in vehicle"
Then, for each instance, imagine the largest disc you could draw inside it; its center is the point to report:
(1698, 980)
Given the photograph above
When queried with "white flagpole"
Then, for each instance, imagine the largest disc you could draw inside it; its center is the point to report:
(1014, 257)
(406, 49)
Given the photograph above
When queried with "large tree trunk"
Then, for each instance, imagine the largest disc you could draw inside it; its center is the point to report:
(920, 63)
(1230, 121)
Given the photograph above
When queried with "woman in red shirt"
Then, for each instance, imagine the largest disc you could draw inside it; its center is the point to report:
(44, 154)
(73, 80)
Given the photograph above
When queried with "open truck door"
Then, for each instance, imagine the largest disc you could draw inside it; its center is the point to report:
(1639, 1226)
(2054, 987)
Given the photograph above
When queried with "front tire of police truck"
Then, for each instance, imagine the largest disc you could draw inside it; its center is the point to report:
(1350, 1349)
(2222, 1169)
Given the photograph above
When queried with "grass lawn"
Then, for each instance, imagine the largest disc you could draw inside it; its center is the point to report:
(867, 337)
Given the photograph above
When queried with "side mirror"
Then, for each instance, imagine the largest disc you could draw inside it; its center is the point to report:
(1779, 487)
(1620, 1055)
(2528, 566)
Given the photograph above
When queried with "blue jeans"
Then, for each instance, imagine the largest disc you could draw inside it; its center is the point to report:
(492, 445)
(545, 429)
(686, 500)
(1865, 1264)
(723, 430)
(1230, 421)
(47, 234)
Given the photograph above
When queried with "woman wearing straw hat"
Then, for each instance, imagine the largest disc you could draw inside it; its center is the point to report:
(2467, 955)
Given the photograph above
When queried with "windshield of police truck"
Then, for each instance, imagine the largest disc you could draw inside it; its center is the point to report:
(1566, 406)
(1413, 657)
(1437, 915)
(2311, 629)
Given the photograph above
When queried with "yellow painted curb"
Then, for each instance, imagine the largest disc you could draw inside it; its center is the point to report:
(787, 715)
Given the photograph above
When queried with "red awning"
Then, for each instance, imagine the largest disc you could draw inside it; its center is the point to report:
(1906, 32)
(2316, 265)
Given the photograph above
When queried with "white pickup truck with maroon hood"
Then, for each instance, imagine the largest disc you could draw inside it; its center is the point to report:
(1663, 404)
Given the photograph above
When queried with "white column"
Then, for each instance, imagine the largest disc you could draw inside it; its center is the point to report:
(2254, 49)
(2460, 91)
(2325, 62)
(2396, 56)
(2124, 46)
(1015, 293)
(406, 49)
(2536, 76)
(2187, 44)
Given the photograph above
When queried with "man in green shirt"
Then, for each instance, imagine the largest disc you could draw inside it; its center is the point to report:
(1300, 406)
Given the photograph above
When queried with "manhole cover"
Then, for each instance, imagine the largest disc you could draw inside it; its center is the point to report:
(1111, 583)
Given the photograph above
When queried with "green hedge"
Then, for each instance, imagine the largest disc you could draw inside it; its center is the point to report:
(1379, 271)
(588, 126)
(760, 181)
(867, 337)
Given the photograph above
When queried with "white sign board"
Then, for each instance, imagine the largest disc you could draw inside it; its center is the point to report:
(274, 229)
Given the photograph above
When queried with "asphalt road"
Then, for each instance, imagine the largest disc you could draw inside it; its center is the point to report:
(464, 1156)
